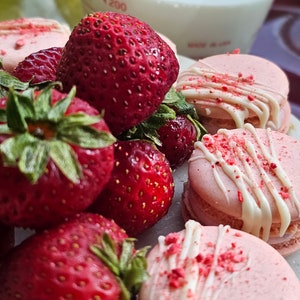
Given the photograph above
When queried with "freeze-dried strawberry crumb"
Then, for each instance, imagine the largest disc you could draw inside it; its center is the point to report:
(171, 238)
(177, 278)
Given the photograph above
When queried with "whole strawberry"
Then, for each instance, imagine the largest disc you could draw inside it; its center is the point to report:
(141, 188)
(87, 257)
(56, 155)
(119, 64)
(177, 139)
(174, 128)
(39, 67)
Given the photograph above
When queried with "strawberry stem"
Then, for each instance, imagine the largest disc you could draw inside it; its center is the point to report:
(39, 130)
(129, 268)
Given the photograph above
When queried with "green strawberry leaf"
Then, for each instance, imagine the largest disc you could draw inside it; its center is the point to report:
(7, 80)
(63, 156)
(173, 104)
(3, 116)
(57, 111)
(78, 119)
(148, 128)
(107, 253)
(85, 136)
(130, 269)
(17, 110)
(11, 149)
(34, 159)
(42, 103)
(4, 129)
(177, 101)
(134, 270)
(41, 131)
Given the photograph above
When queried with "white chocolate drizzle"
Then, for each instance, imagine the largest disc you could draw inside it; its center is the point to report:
(256, 210)
(240, 97)
(198, 285)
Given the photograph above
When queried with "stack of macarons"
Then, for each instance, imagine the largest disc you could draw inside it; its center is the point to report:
(229, 90)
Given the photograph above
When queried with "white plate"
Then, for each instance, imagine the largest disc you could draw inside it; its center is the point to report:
(173, 221)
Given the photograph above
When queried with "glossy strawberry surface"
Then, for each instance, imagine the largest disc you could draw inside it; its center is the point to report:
(141, 187)
(39, 66)
(119, 64)
(177, 138)
(36, 201)
(60, 263)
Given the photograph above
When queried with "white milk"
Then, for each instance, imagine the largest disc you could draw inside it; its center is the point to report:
(199, 28)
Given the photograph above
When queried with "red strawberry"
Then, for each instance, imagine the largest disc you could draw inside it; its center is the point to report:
(119, 64)
(174, 128)
(39, 66)
(87, 257)
(177, 138)
(141, 187)
(56, 155)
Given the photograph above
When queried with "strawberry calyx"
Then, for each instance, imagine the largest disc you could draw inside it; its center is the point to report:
(40, 130)
(173, 104)
(7, 80)
(129, 267)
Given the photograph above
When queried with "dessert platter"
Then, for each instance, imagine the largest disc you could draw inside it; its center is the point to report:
(173, 221)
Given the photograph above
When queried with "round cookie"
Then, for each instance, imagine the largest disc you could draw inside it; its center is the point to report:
(217, 262)
(229, 90)
(248, 178)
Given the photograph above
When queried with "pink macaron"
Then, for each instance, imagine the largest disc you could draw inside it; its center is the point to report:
(21, 37)
(229, 90)
(248, 178)
(217, 262)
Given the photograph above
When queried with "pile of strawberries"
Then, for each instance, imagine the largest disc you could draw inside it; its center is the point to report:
(89, 135)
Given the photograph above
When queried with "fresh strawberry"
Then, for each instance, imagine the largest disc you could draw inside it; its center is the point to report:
(177, 138)
(174, 128)
(119, 64)
(56, 155)
(141, 188)
(39, 67)
(87, 257)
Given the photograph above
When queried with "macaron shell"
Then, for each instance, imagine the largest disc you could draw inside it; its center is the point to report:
(21, 37)
(217, 262)
(248, 178)
(195, 208)
(212, 125)
(239, 87)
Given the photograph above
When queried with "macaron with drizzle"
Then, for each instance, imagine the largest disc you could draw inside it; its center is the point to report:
(248, 178)
(230, 90)
(217, 262)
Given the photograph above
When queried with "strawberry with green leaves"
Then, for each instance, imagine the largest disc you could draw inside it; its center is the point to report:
(119, 64)
(85, 258)
(174, 128)
(140, 190)
(56, 155)
(177, 138)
